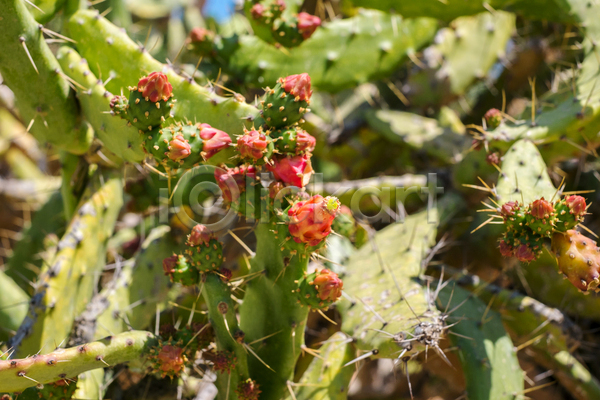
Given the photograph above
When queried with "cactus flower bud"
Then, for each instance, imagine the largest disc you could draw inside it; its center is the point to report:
(201, 35)
(179, 148)
(274, 188)
(304, 142)
(329, 286)
(200, 235)
(506, 249)
(297, 85)
(232, 181)
(507, 209)
(155, 87)
(307, 24)
(576, 204)
(493, 118)
(248, 390)
(295, 171)
(170, 264)
(253, 145)
(257, 11)
(310, 221)
(214, 140)
(524, 253)
(171, 360)
(541, 209)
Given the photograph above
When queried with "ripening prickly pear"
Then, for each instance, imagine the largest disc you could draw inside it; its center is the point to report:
(287, 102)
(493, 118)
(224, 361)
(150, 102)
(310, 221)
(180, 270)
(578, 259)
(293, 141)
(205, 252)
(255, 146)
(292, 170)
(240, 189)
(570, 211)
(248, 390)
(320, 289)
(61, 389)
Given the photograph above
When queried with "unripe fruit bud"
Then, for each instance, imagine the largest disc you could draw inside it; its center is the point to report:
(179, 148)
(155, 87)
(541, 209)
(297, 85)
(214, 140)
(493, 118)
(307, 24)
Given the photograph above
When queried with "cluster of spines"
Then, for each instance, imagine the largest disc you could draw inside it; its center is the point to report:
(204, 254)
(527, 226)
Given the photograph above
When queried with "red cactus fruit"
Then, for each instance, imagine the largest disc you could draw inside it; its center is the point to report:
(329, 286)
(493, 118)
(308, 24)
(541, 209)
(201, 35)
(252, 144)
(179, 148)
(506, 249)
(155, 87)
(200, 235)
(214, 140)
(295, 171)
(578, 259)
(298, 86)
(310, 221)
(224, 361)
(257, 11)
(524, 253)
(576, 204)
(248, 390)
(232, 181)
(170, 360)
(170, 264)
(508, 208)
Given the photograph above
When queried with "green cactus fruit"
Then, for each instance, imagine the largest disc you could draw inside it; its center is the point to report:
(255, 146)
(287, 102)
(292, 32)
(150, 102)
(578, 259)
(493, 118)
(540, 217)
(248, 390)
(293, 140)
(344, 223)
(224, 361)
(62, 389)
(319, 289)
(204, 250)
(180, 270)
(168, 358)
(514, 215)
(570, 211)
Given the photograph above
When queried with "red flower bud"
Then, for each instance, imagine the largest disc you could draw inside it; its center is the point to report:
(541, 209)
(506, 249)
(200, 235)
(169, 264)
(179, 148)
(252, 144)
(308, 24)
(576, 204)
(201, 35)
(304, 141)
(310, 220)
(257, 11)
(328, 285)
(493, 118)
(297, 86)
(274, 188)
(232, 181)
(214, 140)
(171, 360)
(295, 171)
(155, 87)
(524, 253)
(508, 208)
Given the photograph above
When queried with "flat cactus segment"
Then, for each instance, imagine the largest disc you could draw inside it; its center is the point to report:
(524, 177)
(385, 296)
(110, 51)
(72, 274)
(326, 377)
(451, 9)
(123, 140)
(341, 54)
(13, 305)
(420, 133)
(25, 58)
(485, 350)
(126, 347)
